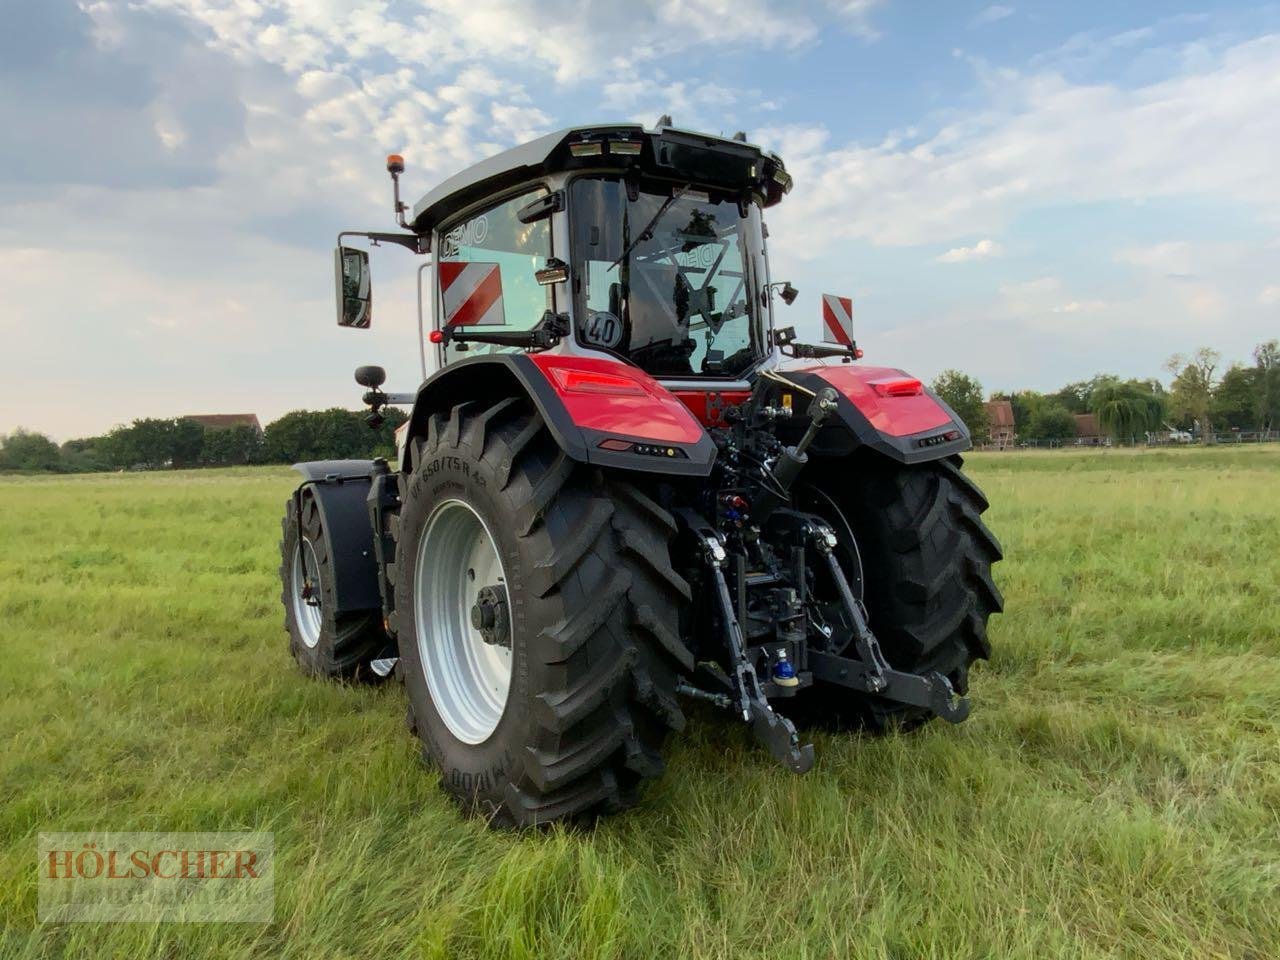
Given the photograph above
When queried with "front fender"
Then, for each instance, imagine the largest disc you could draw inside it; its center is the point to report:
(599, 411)
(881, 409)
(340, 489)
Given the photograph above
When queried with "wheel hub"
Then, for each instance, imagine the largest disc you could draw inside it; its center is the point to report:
(305, 580)
(489, 616)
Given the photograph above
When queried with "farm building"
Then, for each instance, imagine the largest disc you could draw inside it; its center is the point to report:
(1088, 433)
(1001, 423)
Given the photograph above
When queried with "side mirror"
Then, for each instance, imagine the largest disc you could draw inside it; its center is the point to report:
(352, 287)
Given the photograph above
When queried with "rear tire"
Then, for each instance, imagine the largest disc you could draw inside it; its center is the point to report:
(926, 562)
(324, 643)
(593, 603)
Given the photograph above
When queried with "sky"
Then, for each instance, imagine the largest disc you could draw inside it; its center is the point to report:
(1032, 193)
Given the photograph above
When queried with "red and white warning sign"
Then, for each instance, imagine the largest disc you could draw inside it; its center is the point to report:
(837, 319)
(472, 294)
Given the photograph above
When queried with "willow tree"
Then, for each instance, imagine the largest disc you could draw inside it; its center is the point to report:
(1194, 380)
(1126, 409)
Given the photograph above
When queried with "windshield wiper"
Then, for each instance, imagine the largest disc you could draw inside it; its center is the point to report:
(647, 232)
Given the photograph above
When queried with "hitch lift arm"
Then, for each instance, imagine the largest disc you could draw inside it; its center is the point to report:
(872, 673)
(775, 731)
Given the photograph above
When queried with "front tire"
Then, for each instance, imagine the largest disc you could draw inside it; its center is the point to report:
(591, 602)
(325, 643)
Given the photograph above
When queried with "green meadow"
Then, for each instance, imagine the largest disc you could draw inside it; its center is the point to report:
(1116, 792)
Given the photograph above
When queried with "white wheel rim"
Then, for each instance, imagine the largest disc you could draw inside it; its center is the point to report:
(305, 574)
(468, 678)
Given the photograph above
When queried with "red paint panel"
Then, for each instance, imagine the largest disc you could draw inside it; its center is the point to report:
(836, 332)
(651, 413)
(482, 298)
(449, 271)
(700, 405)
(896, 416)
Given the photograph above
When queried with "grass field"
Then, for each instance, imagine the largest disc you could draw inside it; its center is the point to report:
(1115, 793)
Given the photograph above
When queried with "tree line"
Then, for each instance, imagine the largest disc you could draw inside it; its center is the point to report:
(181, 442)
(1202, 398)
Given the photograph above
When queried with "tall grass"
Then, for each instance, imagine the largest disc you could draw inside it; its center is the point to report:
(1115, 793)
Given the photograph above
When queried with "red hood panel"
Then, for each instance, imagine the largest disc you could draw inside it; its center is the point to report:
(649, 412)
(894, 416)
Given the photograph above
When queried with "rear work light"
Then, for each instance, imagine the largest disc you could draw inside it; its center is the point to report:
(591, 381)
(906, 387)
(624, 148)
(588, 148)
(615, 445)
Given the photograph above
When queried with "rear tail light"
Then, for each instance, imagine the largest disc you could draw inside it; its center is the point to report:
(590, 381)
(905, 387)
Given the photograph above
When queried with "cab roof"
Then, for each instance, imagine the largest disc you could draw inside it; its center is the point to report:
(703, 159)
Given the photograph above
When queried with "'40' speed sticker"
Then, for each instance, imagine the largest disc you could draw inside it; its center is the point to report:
(603, 329)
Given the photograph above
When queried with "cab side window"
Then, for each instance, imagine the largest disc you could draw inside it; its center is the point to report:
(485, 268)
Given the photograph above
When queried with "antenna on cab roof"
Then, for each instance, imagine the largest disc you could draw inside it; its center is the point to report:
(395, 167)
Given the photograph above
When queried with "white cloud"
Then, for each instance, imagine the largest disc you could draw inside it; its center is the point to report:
(1173, 258)
(1078, 306)
(247, 132)
(993, 13)
(982, 250)
(856, 15)
(1046, 141)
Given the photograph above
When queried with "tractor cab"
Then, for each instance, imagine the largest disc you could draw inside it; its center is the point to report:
(643, 246)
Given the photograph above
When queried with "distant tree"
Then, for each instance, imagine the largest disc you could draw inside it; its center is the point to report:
(84, 455)
(964, 395)
(1024, 404)
(234, 446)
(1050, 421)
(1126, 409)
(343, 434)
(153, 443)
(1266, 358)
(1077, 397)
(292, 438)
(26, 450)
(1235, 398)
(186, 442)
(329, 434)
(1191, 394)
(385, 435)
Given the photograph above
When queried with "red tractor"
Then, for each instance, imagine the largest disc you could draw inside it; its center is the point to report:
(625, 488)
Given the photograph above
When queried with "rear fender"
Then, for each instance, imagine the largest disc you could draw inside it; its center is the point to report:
(599, 411)
(340, 489)
(885, 409)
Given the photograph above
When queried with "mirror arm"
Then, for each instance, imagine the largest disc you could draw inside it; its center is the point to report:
(417, 242)
(546, 334)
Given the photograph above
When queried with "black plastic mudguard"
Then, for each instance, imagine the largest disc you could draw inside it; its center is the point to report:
(341, 489)
(934, 443)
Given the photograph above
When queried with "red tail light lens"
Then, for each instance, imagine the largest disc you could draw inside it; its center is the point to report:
(905, 387)
(436, 336)
(590, 381)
